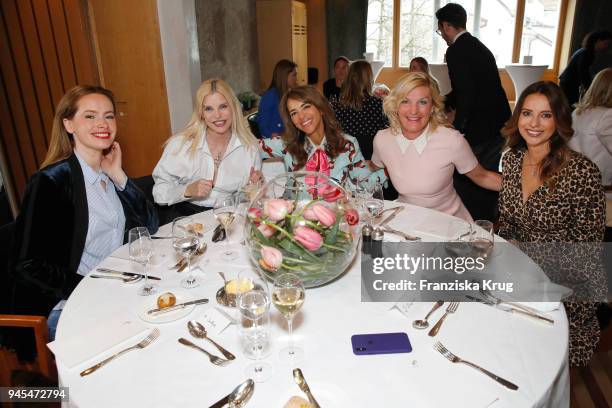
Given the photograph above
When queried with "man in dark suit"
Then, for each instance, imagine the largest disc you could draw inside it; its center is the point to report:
(480, 104)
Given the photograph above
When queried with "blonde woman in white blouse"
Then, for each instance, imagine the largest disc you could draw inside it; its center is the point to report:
(214, 155)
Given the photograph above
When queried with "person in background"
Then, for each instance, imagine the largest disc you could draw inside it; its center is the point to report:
(420, 151)
(577, 76)
(313, 141)
(284, 78)
(216, 154)
(552, 195)
(480, 103)
(419, 64)
(76, 208)
(592, 124)
(359, 112)
(331, 87)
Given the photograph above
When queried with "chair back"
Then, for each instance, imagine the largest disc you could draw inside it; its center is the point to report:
(146, 183)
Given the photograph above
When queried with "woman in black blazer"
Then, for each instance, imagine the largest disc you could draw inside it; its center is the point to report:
(51, 241)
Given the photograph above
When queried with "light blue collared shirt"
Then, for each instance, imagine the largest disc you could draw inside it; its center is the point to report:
(106, 218)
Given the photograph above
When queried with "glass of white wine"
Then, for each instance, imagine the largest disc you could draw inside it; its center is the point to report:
(186, 241)
(375, 203)
(225, 213)
(288, 295)
(141, 249)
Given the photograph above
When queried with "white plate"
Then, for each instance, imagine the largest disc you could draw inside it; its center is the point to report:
(150, 303)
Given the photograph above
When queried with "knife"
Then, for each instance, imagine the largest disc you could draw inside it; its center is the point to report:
(396, 211)
(105, 270)
(511, 309)
(177, 306)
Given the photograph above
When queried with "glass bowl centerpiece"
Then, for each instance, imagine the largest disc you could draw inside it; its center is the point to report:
(302, 222)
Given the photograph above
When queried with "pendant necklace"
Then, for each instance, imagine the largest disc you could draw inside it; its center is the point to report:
(534, 167)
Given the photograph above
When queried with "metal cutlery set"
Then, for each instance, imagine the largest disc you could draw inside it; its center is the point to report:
(450, 309)
(383, 225)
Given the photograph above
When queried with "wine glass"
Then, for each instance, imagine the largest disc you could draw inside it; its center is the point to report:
(254, 307)
(225, 212)
(288, 296)
(141, 250)
(186, 241)
(459, 238)
(375, 203)
(482, 238)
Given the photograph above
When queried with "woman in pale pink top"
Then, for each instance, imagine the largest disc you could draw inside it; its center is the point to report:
(420, 151)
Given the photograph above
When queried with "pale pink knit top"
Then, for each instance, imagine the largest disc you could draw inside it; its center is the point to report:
(426, 179)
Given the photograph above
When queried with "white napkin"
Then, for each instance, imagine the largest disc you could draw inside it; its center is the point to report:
(72, 351)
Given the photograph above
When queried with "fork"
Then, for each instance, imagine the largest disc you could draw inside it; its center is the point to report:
(407, 237)
(213, 359)
(144, 343)
(453, 358)
(452, 307)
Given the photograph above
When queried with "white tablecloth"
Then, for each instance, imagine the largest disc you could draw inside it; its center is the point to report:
(167, 374)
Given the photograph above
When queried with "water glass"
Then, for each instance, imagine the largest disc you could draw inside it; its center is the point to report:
(186, 241)
(141, 250)
(483, 236)
(254, 307)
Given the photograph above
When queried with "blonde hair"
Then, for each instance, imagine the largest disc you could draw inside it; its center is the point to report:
(61, 144)
(407, 84)
(599, 93)
(194, 131)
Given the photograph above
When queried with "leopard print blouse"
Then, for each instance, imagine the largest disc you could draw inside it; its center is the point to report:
(573, 212)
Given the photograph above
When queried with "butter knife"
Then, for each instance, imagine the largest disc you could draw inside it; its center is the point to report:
(535, 316)
(176, 307)
(129, 274)
(389, 218)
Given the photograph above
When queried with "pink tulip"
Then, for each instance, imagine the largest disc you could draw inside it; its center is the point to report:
(271, 258)
(330, 193)
(277, 209)
(351, 216)
(324, 215)
(266, 230)
(309, 238)
(309, 214)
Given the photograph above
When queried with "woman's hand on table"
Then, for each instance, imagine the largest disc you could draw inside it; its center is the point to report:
(111, 165)
(199, 188)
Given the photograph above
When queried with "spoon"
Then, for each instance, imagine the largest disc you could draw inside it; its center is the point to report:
(213, 359)
(223, 277)
(198, 330)
(423, 324)
(241, 394)
(301, 382)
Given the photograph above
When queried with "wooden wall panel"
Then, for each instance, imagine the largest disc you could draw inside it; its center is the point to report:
(40, 41)
(131, 63)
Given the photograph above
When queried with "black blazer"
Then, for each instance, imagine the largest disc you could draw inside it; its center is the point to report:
(477, 95)
(50, 235)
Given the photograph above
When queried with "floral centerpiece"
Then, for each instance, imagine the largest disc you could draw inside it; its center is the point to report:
(303, 223)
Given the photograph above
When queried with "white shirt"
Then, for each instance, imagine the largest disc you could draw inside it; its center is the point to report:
(459, 35)
(419, 143)
(177, 169)
(593, 138)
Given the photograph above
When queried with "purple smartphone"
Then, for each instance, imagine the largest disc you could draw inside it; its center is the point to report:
(380, 343)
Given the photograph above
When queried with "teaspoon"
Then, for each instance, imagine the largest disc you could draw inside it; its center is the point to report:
(423, 324)
(199, 331)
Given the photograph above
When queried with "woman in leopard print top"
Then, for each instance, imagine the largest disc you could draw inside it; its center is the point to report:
(551, 195)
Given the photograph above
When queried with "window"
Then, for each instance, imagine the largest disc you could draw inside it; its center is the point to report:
(492, 21)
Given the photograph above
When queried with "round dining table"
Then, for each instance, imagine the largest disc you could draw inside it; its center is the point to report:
(530, 354)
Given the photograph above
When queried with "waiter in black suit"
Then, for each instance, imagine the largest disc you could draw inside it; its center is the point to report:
(480, 104)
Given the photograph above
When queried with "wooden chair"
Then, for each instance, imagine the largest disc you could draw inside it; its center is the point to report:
(44, 363)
